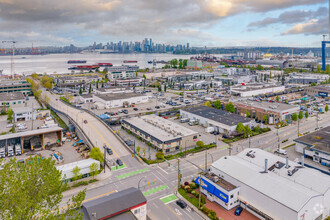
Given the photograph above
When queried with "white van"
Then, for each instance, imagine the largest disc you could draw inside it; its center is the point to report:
(281, 151)
(183, 120)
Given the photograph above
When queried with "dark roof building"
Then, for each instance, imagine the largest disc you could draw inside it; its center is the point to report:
(315, 145)
(127, 204)
(223, 121)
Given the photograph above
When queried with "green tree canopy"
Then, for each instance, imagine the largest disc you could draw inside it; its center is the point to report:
(160, 155)
(76, 173)
(230, 107)
(277, 98)
(294, 117)
(247, 113)
(94, 168)
(265, 118)
(326, 108)
(217, 104)
(240, 128)
(10, 115)
(96, 154)
(306, 114)
(300, 115)
(33, 190)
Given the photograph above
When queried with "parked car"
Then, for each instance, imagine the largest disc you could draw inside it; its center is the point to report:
(125, 111)
(109, 151)
(181, 203)
(135, 109)
(119, 162)
(238, 211)
(157, 107)
(85, 122)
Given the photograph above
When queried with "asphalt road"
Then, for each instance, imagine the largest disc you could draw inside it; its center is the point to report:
(166, 176)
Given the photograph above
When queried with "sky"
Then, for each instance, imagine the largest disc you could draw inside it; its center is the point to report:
(211, 23)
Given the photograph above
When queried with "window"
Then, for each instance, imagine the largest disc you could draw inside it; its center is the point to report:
(195, 137)
(232, 196)
(167, 150)
(136, 211)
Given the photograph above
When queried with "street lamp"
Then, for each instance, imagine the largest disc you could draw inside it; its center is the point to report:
(104, 154)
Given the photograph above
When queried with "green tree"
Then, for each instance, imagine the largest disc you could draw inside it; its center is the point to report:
(200, 143)
(138, 149)
(313, 84)
(94, 168)
(259, 67)
(306, 114)
(247, 130)
(10, 115)
(318, 68)
(34, 190)
(277, 98)
(208, 104)
(160, 155)
(294, 117)
(76, 173)
(144, 76)
(265, 118)
(217, 104)
(165, 88)
(90, 88)
(96, 154)
(247, 113)
(174, 63)
(80, 90)
(326, 109)
(300, 115)
(159, 88)
(240, 128)
(230, 107)
(35, 76)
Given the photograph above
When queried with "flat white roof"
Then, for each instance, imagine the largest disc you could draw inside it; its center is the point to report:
(30, 133)
(81, 164)
(291, 191)
(22, 109)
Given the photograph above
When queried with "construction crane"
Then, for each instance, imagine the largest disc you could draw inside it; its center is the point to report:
(12, 55)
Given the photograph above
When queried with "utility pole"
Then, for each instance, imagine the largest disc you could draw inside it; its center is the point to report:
(298, 126)
(200, 189)
(206, 160)
(278, 141)
(104, 156)
(179, 174)
(249, 140)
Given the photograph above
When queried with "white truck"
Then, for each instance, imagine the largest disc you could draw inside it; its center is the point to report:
(2, 152)
(18, 150)
(10, 151)
(209, 129)
(281, 151)
(183, 120)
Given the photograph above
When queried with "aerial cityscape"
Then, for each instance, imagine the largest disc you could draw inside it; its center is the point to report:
(165, 110)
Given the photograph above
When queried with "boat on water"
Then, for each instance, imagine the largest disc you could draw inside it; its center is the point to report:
(77, 61)
(150, 62)
(84, 67)
(105, 64)
(130, 61)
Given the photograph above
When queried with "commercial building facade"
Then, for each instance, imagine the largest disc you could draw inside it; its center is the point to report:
(316, 146)
(113, 100)
(162, 134)
(322, 91)
(275, 112)
(12, 99)
(269, 186)
(222, 121)
(255, 89)
(122, 72)
(15, 86)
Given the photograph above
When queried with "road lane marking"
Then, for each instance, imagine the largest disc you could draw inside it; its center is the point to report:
(168, 199)
(155, 190)
(173, 212)
(162, 169)
(125, 175)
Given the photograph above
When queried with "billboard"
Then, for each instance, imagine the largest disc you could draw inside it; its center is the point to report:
(323, 94)
(212, 189)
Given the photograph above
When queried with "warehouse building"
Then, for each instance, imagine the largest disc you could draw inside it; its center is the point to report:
(273, 63)
(254, 89)
(276, 112)
(322, 91)
(316, 146)
(113, 100)
(222, 121)
(269, 186)
(12, 99)
(128, 204)
(162, 134)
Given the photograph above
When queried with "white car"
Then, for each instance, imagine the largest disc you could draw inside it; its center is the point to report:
(281, 151)
(9, 125)
(319, 119)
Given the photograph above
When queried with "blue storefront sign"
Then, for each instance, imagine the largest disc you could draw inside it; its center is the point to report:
(323, 94)
(212, 189)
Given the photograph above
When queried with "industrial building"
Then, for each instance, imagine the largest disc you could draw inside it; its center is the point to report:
(276, 112)
(308, 78)
(222, 121)
(12, 99)
(113, 100)
(128, 204)
(113, 89)
(15, 86)
(162, 134)
(316, 146)
(269, 186)
(273, 63)
(321, 91)
(254, 89)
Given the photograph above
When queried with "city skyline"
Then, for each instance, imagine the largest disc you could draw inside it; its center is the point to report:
(211, 23)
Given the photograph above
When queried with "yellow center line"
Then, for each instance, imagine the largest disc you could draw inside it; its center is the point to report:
(173, 212)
